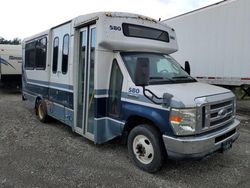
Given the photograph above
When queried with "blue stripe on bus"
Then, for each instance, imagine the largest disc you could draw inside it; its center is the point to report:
(141, 98)
(107, 129)
(62, 97)
(62, 114)
(53, 84)
(101, 91)
(159, 117)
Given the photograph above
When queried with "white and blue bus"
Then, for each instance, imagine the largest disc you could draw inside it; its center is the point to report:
(110, 75)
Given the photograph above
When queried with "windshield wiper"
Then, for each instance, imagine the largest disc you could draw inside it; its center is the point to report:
(181, 77)
(156, 77)
(159, 78)
(184, 77)
(176, 77)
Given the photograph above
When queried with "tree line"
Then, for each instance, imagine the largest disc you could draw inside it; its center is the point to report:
(14, 41)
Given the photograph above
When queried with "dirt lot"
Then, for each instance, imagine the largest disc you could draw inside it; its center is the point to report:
(33, 154)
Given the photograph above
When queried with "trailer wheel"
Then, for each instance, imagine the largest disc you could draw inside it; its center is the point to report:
(41, 111)
(145, 148)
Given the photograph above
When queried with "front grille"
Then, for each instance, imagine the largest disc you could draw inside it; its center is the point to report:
(220, 105)
(214, 114)
(221, 113)
(219, 121)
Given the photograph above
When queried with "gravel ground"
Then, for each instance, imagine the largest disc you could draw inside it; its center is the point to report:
(33, 154)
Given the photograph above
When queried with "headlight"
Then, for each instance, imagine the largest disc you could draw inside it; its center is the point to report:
(183, 121)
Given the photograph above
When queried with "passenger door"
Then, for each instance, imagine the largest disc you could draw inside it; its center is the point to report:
(85, 80)
(60, 84)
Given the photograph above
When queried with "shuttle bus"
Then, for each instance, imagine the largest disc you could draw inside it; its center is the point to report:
(110, 75)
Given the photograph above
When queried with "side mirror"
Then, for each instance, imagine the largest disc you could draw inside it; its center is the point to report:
(187, 67)
(167, 99)
(142, 72)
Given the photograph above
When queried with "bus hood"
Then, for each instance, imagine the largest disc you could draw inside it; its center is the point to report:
(184, 94)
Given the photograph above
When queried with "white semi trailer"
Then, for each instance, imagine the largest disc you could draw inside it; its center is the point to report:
(215, 41)
(10, 65)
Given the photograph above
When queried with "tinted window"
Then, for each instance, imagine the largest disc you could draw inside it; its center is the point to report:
(65, 54)
(115, 90)
(30, 54)
(81, 77)
(41, 50)
(35, 54)
(131, 30)
(91, 80)
(55, 54)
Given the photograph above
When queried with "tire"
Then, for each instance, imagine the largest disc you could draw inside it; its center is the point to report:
(41, 111)
(145, 148)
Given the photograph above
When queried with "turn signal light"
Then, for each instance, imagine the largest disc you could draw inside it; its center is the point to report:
(175, 119)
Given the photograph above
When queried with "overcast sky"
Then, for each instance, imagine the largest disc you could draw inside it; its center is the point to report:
(22, 18)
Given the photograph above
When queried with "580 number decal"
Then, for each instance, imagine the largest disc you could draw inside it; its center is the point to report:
(115, 28)
(133, 90)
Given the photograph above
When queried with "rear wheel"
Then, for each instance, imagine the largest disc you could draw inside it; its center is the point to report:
(41, 111)
(145, 148)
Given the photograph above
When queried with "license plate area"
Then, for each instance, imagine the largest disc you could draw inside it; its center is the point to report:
(226, 145)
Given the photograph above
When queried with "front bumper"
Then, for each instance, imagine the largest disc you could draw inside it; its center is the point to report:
(200, 146)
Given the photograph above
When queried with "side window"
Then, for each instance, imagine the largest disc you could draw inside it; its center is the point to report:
(65, 54)
(41, 51)
(55, 54)
(35, 54)
(30, 55)
(115, 90)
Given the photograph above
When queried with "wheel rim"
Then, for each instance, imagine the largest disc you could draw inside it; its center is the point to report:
(143, 149)
(40, 111)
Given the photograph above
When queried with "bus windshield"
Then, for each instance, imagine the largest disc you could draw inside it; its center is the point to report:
(163, 68)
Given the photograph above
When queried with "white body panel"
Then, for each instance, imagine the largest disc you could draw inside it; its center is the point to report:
(198, 90)
(11, 56)
(59, 77)
(216, 42)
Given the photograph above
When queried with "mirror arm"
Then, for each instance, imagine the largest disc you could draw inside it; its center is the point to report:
(153, 96)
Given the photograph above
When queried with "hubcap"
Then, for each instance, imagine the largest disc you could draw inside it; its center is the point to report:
(143, 149)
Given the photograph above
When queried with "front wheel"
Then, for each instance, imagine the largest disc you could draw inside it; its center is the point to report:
(41, 111)
(145, 148)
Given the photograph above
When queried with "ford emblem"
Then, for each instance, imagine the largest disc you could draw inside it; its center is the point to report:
(222, 112)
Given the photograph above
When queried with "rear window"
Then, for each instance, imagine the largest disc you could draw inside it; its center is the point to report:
(131, 30)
